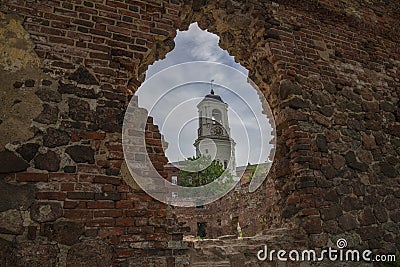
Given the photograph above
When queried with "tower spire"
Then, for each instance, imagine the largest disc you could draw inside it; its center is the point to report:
(211, 85)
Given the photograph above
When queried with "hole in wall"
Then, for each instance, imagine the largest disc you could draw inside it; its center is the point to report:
(216, 77)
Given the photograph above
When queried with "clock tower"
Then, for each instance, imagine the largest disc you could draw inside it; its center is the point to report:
(213, 136)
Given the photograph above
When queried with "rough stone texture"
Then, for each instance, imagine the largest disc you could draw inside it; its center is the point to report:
(46, 211)
(49, 115)
(11, 163)
(31, 253)
(327, 69)
(7, 258)
(11, 222)
(18, 62)
(16, 196)
(81, 154)
(83, 76)
(55, 138)
(64, 232)
(90, 253)
(28, 151)
(49, 161)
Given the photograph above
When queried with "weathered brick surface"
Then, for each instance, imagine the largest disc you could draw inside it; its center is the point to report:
(329, 71)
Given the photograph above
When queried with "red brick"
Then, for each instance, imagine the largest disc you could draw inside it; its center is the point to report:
(70, 204)
(86, 10)
(116, 4)
(307, 212)
(114, 146)
(109, 188)
(124, 253)
(106, 8)
(51, 195)
(102, 56)
(293, 200)
(82, 214)
(107, 180)
(67, 186)
(141, 222)
(100, 32)
(124, 204)
(125, 222)
(124, 188)
(84, 168)
(139, 213)
(161, 213)
(108, 196)
(105, 71)
(141, 197)
(108, 213)
(32, 177)
(116, 164)
(141, 230)
(63, 177)
(111, 231)
(157, 237)
(61, 40)
(80, 195)
(119, 30)
(86, 178)
(52, 31)
(100, 204)
(64, 12)
(85, 23)
(100, 222)
(57, 17)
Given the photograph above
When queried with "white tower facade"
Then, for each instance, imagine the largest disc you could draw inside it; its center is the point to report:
(213, 136)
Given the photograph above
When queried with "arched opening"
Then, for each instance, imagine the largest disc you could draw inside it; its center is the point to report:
(220, 223)
(216, 116)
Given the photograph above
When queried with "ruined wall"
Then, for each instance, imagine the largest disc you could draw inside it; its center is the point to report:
(330, 73)
(329, 70)
(67, 76)
(222, 216)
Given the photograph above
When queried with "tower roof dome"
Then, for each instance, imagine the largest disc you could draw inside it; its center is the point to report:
(213, 96)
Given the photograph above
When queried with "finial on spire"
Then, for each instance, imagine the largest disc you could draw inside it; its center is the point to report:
(211, 85)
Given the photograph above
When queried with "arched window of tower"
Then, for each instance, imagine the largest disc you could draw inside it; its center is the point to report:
(216, 116)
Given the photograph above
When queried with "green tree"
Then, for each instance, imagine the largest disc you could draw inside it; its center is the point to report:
(189, 177)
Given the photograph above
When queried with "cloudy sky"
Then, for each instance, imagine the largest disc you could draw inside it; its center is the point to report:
(175, 85)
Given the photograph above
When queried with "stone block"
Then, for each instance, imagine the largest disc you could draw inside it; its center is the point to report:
(11, 222)
(64, 232)
(90, 253)
(48, 161)
(16, 196)
(46, 211)
(81, 154)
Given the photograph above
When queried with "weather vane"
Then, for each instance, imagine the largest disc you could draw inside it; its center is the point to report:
(211, 85)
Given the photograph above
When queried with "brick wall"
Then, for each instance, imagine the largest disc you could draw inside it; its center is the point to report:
(222, 216)
(329, 71)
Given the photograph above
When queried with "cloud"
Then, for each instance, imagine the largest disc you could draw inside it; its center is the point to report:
(174, 86)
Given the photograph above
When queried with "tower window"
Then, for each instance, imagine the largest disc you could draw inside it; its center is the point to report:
(174, 179)
(225, 164)
(206, 151)
(216, 116)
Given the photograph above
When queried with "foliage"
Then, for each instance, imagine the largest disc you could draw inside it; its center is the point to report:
(210, 171)
(203, 177)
